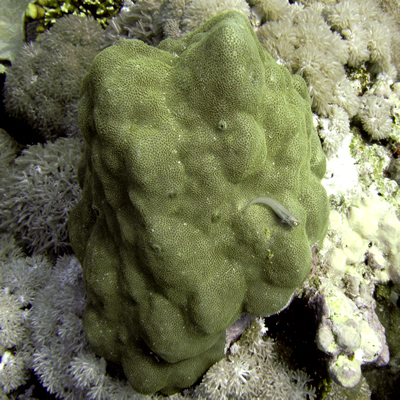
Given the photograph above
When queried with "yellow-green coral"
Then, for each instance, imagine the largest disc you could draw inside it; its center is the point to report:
(179, 138)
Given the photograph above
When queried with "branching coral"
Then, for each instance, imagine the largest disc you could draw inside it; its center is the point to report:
(42, 85)
(320, 40)
(250, 371)
(303, 41)
(333, 130)
(267, 10)
(8, 151)
(380, 109)
(48, 339)
(375, 116)
(183, 16)
(37, 193)
(139, 21)
(50, 320)
(199, 11)
(20, 279)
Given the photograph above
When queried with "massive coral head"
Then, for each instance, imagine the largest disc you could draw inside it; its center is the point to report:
(179, 138)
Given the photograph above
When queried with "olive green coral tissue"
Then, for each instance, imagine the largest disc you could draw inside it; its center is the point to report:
(179, 139)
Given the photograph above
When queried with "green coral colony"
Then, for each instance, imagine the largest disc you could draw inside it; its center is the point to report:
(179, 139)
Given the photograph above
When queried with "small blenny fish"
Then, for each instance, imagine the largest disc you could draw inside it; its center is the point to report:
(285, 215)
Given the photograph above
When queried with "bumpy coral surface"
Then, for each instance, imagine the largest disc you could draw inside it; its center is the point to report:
(180, 138)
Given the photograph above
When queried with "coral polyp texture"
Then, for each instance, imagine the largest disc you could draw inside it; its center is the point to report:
(179, 139)
(42, 86)
(38, 190)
